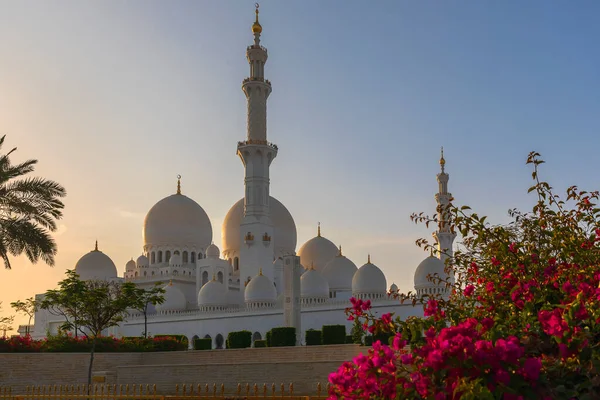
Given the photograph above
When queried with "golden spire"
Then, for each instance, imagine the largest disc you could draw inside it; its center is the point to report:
(318, 229)
(369, 259)
(178, 184)
(260, 271)
(442, 161)
(256, 27)
(312, 265)
(431, 252)
(96, 246)
(340, 251)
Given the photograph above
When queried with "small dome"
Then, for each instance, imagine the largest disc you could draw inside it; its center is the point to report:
(130, 266)
(313, 285)
(142, 261)
(174, 299)
(429, 266)
(318, 251)
(369, 280)
(95, 265)
(213, 293)
(175, 260)
(260, 289)
(177, 221)
(393, 288)
(339, 272)
(213, 251)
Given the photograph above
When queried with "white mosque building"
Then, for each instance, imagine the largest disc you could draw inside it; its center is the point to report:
(257, 281)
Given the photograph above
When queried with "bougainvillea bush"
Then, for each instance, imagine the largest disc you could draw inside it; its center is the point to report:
(522, 320)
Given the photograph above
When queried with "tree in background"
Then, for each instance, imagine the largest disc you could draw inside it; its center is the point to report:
(27, 307)
(357, 332)
(67, 300)
(5, 323)
(29, 208)
(145, 297)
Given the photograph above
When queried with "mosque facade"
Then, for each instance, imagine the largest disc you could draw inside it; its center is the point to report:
(257, 281)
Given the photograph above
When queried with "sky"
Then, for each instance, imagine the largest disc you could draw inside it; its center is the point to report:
(116, 98)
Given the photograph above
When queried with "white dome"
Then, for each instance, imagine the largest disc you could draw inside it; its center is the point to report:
(174, 299)
(175, 260)
(284, 229)
(130, 266)
(429, 266)
(260, 289)
(339, 273)
(178, 221)
(142, 261)
(212, 294)
(313, 285)
(95, 265)
(317, 252)
(213, 251)
(369, 280)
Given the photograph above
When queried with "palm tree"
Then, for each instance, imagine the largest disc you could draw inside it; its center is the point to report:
(29, 208)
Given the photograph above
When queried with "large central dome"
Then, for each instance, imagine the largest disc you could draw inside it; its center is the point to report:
(179, 221)
(284, 229)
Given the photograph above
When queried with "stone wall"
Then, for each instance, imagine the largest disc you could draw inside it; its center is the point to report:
(304, 366)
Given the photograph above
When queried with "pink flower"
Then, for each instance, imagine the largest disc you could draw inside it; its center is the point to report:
(532, 368)
(469, 290)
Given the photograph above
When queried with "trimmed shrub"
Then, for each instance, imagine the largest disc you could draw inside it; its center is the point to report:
(203, 344)
(349, 339)
(239, 340)
(383, 337)
(268, 338)
(334, 334)
(313, 337)
(369, 340)
(283, 336)
(260, 343)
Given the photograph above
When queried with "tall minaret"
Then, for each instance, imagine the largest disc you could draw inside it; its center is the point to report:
(256, 154)
(443, 235)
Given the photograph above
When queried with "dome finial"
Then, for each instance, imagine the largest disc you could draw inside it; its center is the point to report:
(256, 27)
(369, 259)
(318, 229)
(260, 271)
(340, 250)
(312, 265)
(442, 161)
(96, 246)
(178, 184)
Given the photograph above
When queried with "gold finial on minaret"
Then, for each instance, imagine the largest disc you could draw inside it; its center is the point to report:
(260, 271)
(256, 27)
(431, 251)
(369, 259)
(178, 184)
(318, 229)
(442, 161)
(340, 251)
(96, 246)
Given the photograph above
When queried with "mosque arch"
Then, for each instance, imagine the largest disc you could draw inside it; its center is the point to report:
(204, 277)
(184, 257)
(160, 256)
(167, 256)
(153, 257)
(236, 263)
(220, 276)
(193, 257)
(219, 341)
(256, 336)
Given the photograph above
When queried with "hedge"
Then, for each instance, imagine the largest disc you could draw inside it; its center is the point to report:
(180, 338)
(368, 340)
(334, 334)
(70, 344)
(383, 337)
(283, 336)
(313, 337)
(268, 338)
(203, 344)
(260, 343)
(239, 340)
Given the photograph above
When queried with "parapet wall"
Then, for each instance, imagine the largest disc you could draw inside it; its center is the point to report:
(303, 365)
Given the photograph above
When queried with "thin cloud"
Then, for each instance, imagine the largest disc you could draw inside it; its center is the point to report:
(61, 229)
(129, 214)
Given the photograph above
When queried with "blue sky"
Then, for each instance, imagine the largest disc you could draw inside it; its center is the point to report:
(117, 98)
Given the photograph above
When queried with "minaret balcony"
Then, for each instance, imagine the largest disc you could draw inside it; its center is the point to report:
(249, 238)
(266, 239)
(250, 142)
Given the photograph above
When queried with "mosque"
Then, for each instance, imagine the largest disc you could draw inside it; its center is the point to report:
(257, 280)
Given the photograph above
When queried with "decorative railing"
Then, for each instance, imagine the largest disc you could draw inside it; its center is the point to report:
(256, 141)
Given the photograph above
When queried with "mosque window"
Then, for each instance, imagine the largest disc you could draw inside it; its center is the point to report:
(184, 258)
(160, 256)
(136, 274)
(236, 263)
(175, 272)
(176, 252)
(204, 277)
(220, 276)
(152, 273)
(167, 256)
(193, 257)
(145, 273)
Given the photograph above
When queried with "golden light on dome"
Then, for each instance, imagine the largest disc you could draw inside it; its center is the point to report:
(256, 27)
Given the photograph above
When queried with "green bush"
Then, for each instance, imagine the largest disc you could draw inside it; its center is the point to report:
(260, 343)
(313, 337)
(334, 334)
(203, 344)
(268, 338)
(349, 339)
(180, 338)
(283, 336)
(368, 340)
(239, 340)
(383, 337)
